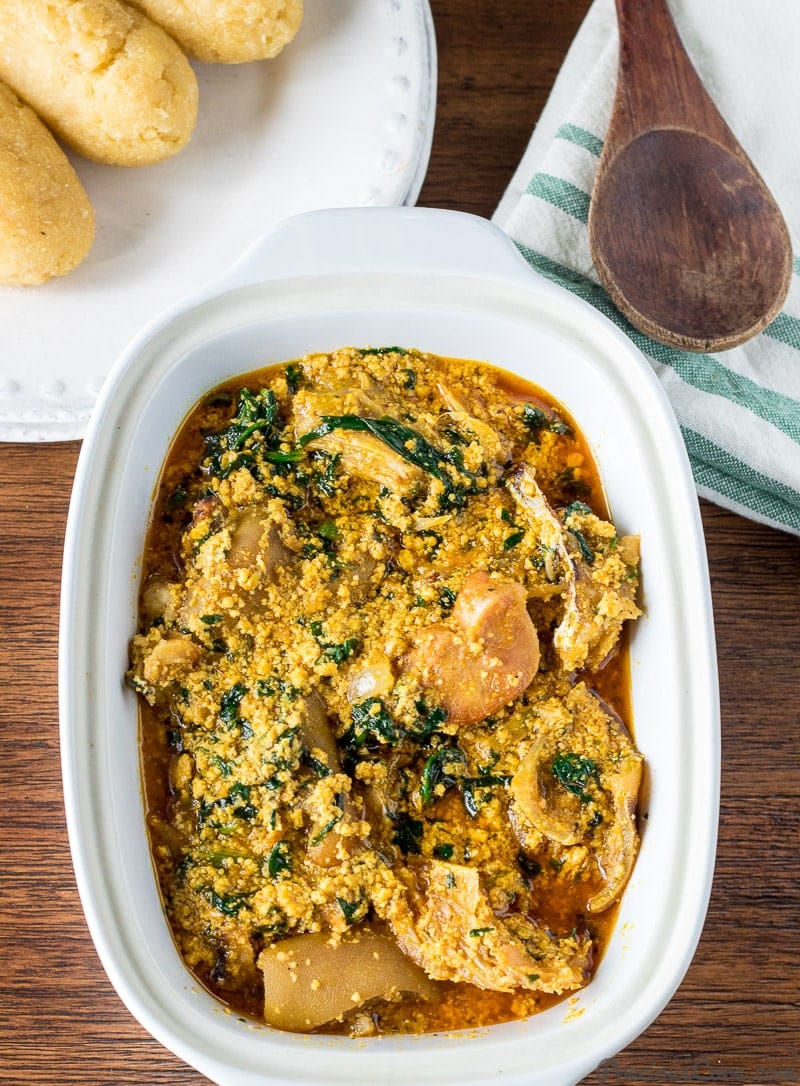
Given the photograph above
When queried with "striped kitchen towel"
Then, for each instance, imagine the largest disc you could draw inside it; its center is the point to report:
(739, 411)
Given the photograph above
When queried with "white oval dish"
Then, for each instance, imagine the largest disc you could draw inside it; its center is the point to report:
(453, 285)
(342, 118)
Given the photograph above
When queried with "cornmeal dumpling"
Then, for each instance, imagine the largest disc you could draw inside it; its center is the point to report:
(227, 31)
(102, 76)
(46, 220)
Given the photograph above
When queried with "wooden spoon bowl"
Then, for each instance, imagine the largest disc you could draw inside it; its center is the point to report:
(685, 236)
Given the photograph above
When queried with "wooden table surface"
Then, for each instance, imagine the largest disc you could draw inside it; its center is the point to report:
(736, 1017)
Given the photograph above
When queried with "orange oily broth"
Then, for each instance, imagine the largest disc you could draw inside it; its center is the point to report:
(571, 473)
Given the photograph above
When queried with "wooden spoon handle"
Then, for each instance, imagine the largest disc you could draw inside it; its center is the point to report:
(657, 86)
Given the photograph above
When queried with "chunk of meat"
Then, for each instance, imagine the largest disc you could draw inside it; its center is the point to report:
(158, 599)
(235, 967)
(256, 544)
(536, 793)
(328, 845)
(226, 574)
(600, 597)
(620, 840)
(309, 980)
(486, 659)
(598, 573)
(169, 659)
(450, 930)
(317, 734)
(208, 511)
(374, 680)
(357, 576)
(579, 784)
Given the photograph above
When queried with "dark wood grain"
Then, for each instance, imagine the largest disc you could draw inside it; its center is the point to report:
(736, 1018)
(685, 236)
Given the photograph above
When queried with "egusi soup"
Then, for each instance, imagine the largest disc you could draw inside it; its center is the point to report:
(383, 683)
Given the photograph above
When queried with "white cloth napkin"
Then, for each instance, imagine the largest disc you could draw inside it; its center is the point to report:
(739, 410)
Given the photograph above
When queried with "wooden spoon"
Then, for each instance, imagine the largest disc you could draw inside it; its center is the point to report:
(685, 236)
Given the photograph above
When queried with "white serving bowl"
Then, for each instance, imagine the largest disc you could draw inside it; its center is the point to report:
(453, 285)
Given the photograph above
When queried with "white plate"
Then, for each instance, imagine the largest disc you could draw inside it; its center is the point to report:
(453, 285)
(342, 118)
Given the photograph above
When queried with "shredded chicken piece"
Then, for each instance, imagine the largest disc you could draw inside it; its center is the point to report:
(599, 585)
(496, 448)
(451, 931)
(548, 528)
(361, 455)
(600, 597)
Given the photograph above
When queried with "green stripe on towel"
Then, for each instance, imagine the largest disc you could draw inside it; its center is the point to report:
(561, 194)
(702, 371)
(719, 471)
(786, 329)
(581, 138)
